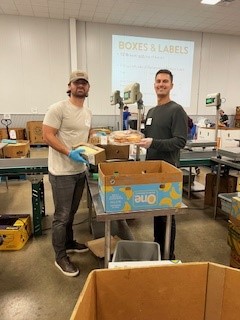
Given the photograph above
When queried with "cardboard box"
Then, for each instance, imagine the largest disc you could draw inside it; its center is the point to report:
(93, 154)
(139, 185)
(99, 136)
(20, 133)
(34, 132)
(227, 184)
(116, 152)
(14, 231)
(21, 149)
(191, 291)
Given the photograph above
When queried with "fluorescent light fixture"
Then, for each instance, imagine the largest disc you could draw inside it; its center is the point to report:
(210, 2)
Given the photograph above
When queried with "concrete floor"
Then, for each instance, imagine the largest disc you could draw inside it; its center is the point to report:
(33, 288)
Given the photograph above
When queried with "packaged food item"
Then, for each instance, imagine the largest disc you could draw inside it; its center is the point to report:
(99, 136)
(125, 137)
(93, 154)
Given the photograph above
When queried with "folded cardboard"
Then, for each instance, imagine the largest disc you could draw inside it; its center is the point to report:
(131, 185)
(191, 291)
(93, 154)
(21, 149)
(14, 231)
(97, 246)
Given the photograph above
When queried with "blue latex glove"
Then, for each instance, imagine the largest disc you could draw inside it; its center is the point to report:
(76, 155)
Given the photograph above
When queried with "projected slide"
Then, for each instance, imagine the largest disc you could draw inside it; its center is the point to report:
(137, 59)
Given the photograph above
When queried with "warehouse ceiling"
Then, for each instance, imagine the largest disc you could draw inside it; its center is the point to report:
(190, 15)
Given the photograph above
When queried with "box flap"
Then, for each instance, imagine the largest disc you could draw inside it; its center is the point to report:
(222, 296)
(214, 291)
(231, 303)
(86, 306)
(142, 172)
(152, 293)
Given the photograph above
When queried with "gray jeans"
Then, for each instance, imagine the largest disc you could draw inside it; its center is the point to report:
(67, 192)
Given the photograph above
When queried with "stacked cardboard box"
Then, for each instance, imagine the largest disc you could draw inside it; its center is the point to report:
(21, 149)
(34, 132)
(20, 133)
(237, 117)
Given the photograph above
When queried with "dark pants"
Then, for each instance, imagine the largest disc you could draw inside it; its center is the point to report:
(160, 231)
(67, 192)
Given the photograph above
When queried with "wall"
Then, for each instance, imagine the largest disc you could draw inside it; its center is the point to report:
(35, 64)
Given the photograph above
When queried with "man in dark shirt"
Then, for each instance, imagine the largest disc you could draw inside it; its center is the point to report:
(166, 129)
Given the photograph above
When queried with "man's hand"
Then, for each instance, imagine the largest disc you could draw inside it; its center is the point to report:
(75, 155)
(145, 143)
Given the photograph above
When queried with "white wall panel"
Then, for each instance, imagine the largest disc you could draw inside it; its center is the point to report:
(219, 72)
(34, 63)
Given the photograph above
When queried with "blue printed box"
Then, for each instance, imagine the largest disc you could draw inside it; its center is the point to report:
(140, 185)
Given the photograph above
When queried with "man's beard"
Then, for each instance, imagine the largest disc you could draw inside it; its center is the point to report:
(80, 95)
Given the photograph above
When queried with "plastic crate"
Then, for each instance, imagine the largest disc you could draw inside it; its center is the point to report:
(226, 200)
(136, 251)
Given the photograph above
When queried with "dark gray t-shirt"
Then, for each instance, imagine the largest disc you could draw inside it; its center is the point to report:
(167, 125)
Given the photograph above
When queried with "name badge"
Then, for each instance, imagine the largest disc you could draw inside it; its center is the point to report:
(149, 121)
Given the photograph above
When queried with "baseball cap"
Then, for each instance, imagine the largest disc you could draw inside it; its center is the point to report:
(78, 74)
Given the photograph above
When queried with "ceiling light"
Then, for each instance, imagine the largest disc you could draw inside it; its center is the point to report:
(210, 2)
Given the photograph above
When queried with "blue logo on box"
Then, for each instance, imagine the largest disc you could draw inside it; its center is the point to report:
(145, 197)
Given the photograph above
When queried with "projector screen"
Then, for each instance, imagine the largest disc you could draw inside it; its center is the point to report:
(137, 59)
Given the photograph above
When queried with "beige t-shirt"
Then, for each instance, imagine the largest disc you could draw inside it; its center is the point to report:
(73, 124)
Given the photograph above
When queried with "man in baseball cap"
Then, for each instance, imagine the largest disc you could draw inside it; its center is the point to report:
(66, 124)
